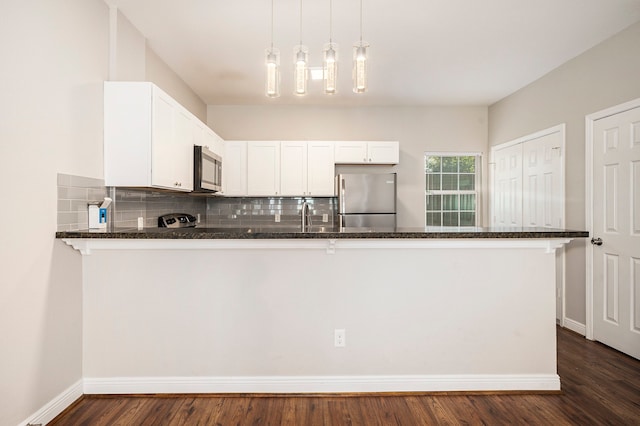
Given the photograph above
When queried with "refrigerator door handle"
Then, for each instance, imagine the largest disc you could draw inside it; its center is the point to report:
(342, 198)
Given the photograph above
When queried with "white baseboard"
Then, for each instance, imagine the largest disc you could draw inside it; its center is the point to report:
(56, 406)
(292, 384)
(321, 384)
(575, 326)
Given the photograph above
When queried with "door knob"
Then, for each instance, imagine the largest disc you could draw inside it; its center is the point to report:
(596, 241)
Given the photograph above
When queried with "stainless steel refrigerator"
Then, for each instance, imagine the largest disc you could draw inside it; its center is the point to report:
(366, 200)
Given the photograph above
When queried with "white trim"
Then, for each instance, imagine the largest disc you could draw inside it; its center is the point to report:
(87, 245)
(574, 326)
(322, 384)
(56, 406)
(558, 128)
(589, 120)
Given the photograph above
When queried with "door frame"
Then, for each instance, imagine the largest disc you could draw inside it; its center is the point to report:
(562, 129)
(589, 121)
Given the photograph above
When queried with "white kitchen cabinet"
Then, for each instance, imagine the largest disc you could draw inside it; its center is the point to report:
(148, 138)
(293, 168)
(307, 168)
(320, 169)
(206, 137)
(372, 152)
(263, 168)
(234, 169)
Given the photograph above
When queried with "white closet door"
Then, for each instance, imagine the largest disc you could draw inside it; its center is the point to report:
(507, 194)
(542, 192)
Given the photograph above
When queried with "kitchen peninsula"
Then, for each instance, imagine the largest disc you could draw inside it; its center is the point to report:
(255, 310)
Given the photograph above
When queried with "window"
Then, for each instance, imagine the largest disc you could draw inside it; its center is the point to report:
(451, 190)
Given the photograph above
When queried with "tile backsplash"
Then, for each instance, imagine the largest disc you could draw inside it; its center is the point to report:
(132, 203)
(74, 195)
(262, 211)
(76, 192)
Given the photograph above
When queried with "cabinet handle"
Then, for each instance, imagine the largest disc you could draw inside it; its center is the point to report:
(370, 160)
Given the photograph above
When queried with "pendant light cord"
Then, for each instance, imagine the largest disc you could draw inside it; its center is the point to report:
(330, 21)
(300, 22)
(360, 22)
(272, 25)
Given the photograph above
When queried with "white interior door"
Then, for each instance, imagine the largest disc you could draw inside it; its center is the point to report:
(616, 231)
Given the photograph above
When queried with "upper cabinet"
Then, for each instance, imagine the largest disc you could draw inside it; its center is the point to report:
(356, 152)
(320, 169)
(293, 168)
(307, 168)
(234, 169)
(206, 137)
(263, 168)
(274, 168)
(149, 138)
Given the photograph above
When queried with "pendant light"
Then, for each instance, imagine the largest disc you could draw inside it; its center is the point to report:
(300, 63)
(360, 62)
(330, 63)
(273, 66)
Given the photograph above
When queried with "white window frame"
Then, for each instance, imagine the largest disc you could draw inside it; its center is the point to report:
(477, 191)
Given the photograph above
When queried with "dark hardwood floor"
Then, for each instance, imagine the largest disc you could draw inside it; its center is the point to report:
(600, 386)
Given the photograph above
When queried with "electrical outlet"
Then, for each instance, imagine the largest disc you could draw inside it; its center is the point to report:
(140, 223)
(198, 218)
(277, 217)
(325, 218)
(339, 337)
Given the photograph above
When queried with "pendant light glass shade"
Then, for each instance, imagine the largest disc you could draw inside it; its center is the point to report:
(273, 73)
(360, 67)
(300, 69)
(330, 68)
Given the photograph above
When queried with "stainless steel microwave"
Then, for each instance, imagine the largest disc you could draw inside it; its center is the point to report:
(207, 170)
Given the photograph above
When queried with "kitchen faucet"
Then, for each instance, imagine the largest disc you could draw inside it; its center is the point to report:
(305, 216)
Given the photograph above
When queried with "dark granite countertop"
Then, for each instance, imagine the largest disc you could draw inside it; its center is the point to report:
(319, 232)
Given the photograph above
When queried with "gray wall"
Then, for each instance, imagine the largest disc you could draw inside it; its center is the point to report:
(419, 129)
(55, 60)
(159, 72)
(605, 75)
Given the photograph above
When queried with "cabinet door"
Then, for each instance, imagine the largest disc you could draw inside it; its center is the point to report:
(215, 142)
(387, 152)
(351, 152)
(234, 168)
(182, 155)
(293, 168)
(263, 168)
(320, 169)
(163, 142)
(172, 144)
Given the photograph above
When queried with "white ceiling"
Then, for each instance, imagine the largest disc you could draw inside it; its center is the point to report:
(423, 52)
